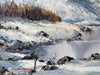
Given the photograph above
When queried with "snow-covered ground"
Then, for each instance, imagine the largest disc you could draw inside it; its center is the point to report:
(76, 49)
(74, 13)
(69, 10)
(75, 67)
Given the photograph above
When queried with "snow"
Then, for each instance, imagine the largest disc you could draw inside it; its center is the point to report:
(6, 55)
(69, 10)
(31, 28)
(73, 13)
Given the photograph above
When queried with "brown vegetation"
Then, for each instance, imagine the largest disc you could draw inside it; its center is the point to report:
(27, 12)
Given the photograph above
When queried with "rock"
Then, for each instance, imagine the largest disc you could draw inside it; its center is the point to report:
(41, 61)
(13, 59)
(90, 58)
(95, 56)
(64, 59)
(83, 58)
(8, 73)
(1, 27)
(1, 45)
(50, 63)
(84, 28)
(42, 33)
(10, 59)
(0, 58)
(53, 68)
(20, 45)
(27, 57)
(16, 28)
(3, 70)
(31, 56)
(46, 67)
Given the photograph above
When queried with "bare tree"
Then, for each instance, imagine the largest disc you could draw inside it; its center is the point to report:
(37, 52)
(53, 56)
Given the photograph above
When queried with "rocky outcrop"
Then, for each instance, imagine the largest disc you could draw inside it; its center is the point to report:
(53, 68)
(3, 70)
(84, 28)
(46, 67)
(50, 63)
(41, 61)
(42, 33)
(95, 56)
(64, 60)
(20, 45)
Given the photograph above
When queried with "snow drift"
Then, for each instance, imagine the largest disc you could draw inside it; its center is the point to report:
(69, 10)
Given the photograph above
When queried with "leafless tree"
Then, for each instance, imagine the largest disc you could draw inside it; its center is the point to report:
(37, 52)
(53, 56)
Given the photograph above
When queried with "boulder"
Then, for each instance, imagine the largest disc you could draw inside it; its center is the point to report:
(84, 28)
(41, 61)
(83, 58)
(31, 56)
(50, 63)
(20, 45)
(95, 56)
(3, 70)
(1, 27)
(64, 60)
(8, 73)
(46, 67)
(42, 33)
(27, 57)
(13, 59)
(16, 28)
(1, 45)
(0, 58)
(53, 68)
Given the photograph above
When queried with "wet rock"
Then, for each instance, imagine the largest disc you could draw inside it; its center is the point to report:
(50, 63)
(64, 60)
(53, 68)
(46, 67)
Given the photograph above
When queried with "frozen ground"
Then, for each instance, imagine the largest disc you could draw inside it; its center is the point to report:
(76, 12)
(76, 49)
(75, 67)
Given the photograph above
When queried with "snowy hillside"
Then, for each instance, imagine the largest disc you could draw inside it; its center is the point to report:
(70, 10)
(74, 42)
